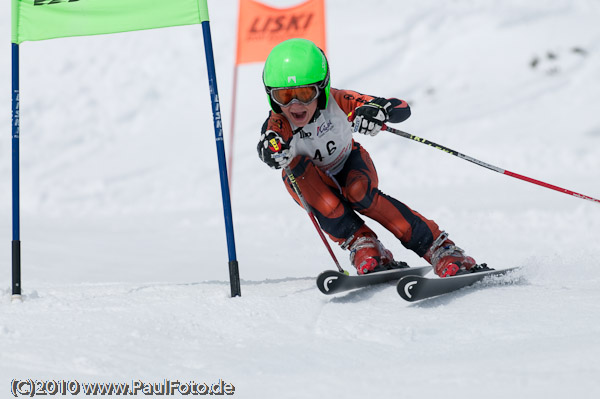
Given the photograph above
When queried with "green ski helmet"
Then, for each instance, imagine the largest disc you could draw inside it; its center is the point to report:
(297, 62)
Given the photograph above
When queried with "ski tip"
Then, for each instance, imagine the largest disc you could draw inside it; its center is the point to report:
(408, 288)
(327, 280)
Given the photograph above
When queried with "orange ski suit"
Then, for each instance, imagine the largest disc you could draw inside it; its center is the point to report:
(338, 179)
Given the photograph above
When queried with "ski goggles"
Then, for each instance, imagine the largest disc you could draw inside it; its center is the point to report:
(284, 96)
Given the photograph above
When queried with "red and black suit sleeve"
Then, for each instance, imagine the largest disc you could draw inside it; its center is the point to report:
(280, 125)
(349, 100)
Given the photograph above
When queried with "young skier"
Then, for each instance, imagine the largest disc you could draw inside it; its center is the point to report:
(310, 131)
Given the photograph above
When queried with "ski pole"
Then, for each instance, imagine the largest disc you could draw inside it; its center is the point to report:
(311, 215)
(486, 165)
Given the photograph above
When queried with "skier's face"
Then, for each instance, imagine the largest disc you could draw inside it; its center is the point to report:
(300, 114)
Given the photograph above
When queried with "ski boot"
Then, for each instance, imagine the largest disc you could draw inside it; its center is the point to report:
(447, 259)
(367, 253)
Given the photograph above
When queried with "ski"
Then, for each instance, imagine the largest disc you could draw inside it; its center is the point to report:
(416, 288)
(332, 282)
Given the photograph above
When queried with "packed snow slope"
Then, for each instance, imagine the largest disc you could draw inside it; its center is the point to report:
(124, 254)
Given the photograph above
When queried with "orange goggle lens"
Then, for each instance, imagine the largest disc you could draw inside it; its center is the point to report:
(285, 95)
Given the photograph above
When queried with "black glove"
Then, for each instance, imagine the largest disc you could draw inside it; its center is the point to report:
(370, 117)
(273, 151)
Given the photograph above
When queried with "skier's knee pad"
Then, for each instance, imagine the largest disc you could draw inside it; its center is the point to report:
(359, 192)
(316, 191)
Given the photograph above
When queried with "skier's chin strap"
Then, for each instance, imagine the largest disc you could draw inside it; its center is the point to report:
(315, 116)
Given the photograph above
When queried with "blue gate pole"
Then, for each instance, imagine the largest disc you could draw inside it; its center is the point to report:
(234, 276)
(16, 241)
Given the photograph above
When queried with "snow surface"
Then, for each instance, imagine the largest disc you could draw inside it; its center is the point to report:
(124, 253)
